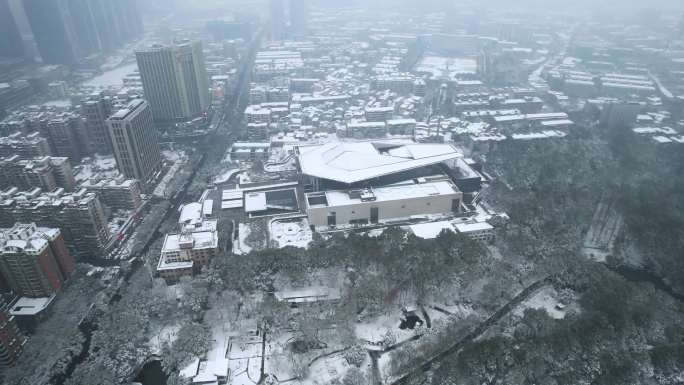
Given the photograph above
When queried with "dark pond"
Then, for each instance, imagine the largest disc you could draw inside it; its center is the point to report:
(152, 374)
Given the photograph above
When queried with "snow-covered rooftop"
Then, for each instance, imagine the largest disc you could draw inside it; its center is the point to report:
(190, 212)
(350, 162)
(473, 227)
(431, 230)
(392, 193)
(30, 306)
(255, 202)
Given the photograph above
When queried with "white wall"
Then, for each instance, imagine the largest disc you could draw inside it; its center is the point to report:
(318, 216)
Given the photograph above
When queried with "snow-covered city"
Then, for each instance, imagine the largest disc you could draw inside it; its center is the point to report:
(314, 192)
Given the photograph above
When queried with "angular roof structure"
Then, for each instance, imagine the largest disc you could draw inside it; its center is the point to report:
(351, 162)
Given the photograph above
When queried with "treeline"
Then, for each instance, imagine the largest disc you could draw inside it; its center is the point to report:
(652, 202)
(624, 333)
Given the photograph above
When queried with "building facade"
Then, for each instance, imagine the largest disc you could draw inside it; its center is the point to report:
(54, 31)
(375, 183)
(96, 110)
(193, 246)
(47, 173)
(383, 204)
(11, 44)
(79, 216)
(134, 138)
(117, 194)
(11, 339)
(34, 261)
(175, 80)
(69, 30)
(26, 146)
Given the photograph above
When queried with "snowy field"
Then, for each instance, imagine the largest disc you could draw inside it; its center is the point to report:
(240, 247)
(112, 78)
(447, 68)
(291, 232)
(545, 299)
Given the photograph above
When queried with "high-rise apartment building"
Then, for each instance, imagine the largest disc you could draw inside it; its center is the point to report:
(46, 173)
(299, 17)
(276, 19)
(34, 261)
(134, 138)
(79, 216)
(96, 110)
(68, 30)
(11, 43)
(11, 339)
(175, 80)
(54, 31)
(68, 137)
(31, 145)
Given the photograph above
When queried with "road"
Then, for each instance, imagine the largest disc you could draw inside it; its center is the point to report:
(230, 116)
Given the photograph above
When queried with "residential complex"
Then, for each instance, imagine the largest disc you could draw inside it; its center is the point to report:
(79, 216)
(47, 173)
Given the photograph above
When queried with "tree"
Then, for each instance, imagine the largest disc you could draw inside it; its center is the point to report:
(192, 341)
(354, 376)
(355, 355)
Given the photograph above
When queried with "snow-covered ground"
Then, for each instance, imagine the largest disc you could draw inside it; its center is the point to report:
(179, 159)
(545, 299)
(326, 370)
(61, 103)
(225, 177)
(385, 327)
(446, 67)
(112, 78)
(167, 334)
(291, 232)
(240, 247)
(117, 220)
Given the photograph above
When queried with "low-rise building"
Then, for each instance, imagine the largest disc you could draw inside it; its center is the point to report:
(401, 126)
(250, 151)
(379, 114)
(383, 204)
(193, 246)
(479, 231)
(117, 193)
(366, 130)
